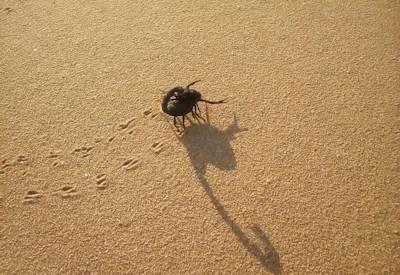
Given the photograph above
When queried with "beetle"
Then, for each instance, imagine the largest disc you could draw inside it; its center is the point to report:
(180, 101)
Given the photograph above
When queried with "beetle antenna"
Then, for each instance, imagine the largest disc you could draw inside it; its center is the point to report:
(192, 83)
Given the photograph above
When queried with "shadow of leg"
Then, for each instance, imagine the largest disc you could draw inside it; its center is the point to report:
(268, 254)
(207, 116)
(268, 257)
(209, 145)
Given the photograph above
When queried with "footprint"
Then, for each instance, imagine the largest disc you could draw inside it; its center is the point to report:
(53, 155)
(5, 163)
(68, 192)
(31, 197)
(57, 163)
(157, 147)
(83, 151)
(150, 114)
(22, 159)
(8, 10)
(101, 182)
(125, 125)
(130, 164)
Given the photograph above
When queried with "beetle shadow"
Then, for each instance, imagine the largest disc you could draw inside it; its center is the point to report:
(209, 145)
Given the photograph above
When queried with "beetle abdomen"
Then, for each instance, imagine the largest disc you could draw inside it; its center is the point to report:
(167, 98)
(177, 108)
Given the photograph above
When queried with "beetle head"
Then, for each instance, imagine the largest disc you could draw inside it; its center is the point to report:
(195, 95)
(190, 95)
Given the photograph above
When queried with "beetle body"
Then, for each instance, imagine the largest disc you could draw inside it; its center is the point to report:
(180, 101)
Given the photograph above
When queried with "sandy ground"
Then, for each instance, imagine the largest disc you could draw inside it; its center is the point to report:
(297, 174)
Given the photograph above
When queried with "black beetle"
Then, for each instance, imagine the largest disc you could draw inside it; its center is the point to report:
(180, 101)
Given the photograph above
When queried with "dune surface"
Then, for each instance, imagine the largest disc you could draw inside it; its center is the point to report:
(297, 173)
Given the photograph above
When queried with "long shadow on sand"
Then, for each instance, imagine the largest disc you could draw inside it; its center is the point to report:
(209, 145)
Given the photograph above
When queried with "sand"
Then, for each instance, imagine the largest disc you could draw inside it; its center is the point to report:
(298, 173)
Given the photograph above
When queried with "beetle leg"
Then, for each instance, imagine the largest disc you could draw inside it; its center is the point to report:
(183, 122)
(197, 107)
(194, 110)
(175, 122)
(194, 113)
